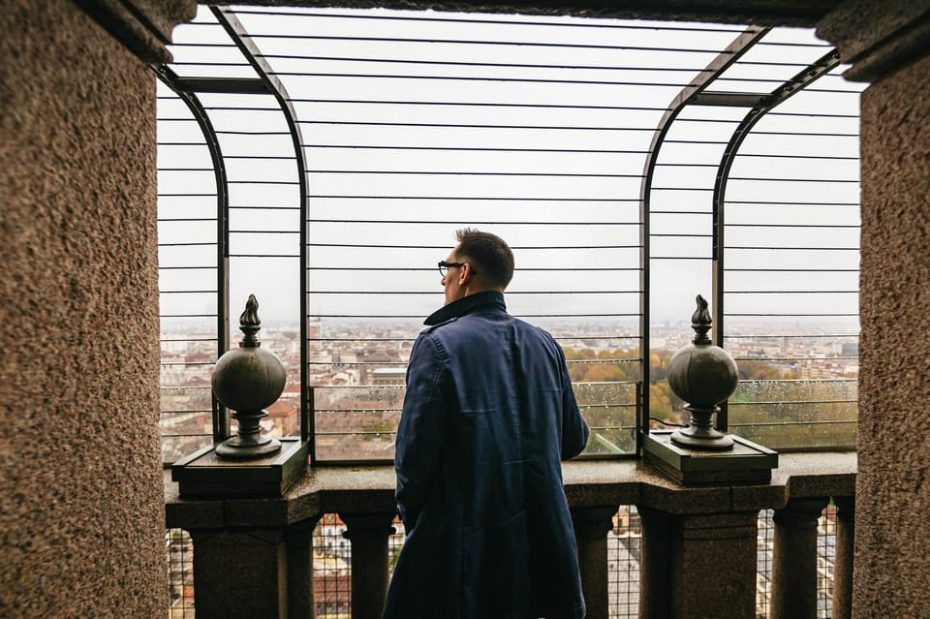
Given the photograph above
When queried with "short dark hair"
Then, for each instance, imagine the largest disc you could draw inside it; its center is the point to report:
(492, 256)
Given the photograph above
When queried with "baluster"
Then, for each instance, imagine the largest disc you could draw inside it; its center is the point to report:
(794, 564)
(369, 536)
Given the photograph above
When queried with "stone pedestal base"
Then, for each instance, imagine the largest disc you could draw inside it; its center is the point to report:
(698, 565)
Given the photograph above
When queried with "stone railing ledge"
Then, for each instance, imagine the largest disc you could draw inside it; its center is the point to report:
(591, 483)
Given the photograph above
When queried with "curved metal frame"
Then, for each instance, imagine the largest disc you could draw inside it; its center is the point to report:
(237, 32)
(690, 94)
(813, 72)
(173, 81)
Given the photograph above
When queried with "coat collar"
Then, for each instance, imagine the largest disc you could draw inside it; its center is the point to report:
(468, 305)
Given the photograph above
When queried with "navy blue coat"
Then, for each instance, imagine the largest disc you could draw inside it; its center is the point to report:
(488, 415)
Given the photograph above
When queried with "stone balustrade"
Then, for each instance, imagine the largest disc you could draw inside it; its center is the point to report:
(252, 557)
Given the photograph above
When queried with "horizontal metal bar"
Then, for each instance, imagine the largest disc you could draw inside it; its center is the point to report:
(432, 18)
(264, 231)
(259, 133)
(566, 106)
(399, 386)
(479, 198)
(793, 180)
(501, 65)
(507, 43)
(264, 255)
(181, 412)
(478, 173)
(223, 85)
(367, 123)
(433, 269)
(792, 358)
(164, 436)
(187, 292)
(681, 212)
(787, 203)
(189, 339)
(480, 149)
(434, 292)
(413, 339)
(476, 223)
(819, 422)
(801, 380)
(779, 403)
(742, 247)
(265, 208)
(791, 292)
(856, 226)
(187, 315)
(794, 335)
(420, 316)
(398, 410)
(477, 78)
(786, 315)
(698, 236)
(186, 195)
(187, 244)
(258, 182)
(680, 258)
(729, 99)
(187, 268)
(780, 270)
(179, 219)
(798, 156)
(261, 157)
(445, 247)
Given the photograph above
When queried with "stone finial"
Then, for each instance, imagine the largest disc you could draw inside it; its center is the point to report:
(701, 321)
(250, 324)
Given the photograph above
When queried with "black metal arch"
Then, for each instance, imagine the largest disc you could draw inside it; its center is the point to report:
(802, 80)
(240, 36)
(694, 93)
(190, 98)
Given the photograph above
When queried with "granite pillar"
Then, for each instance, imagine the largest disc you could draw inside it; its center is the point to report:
(240, 573)
(794, 562)
(591, 527)
(843, 560)
(369, 536)
(299, 543)
(698, 565)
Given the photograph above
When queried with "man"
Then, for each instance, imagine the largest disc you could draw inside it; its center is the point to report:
(489, 413)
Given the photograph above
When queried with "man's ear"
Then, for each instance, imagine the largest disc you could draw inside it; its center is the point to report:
(467, 273)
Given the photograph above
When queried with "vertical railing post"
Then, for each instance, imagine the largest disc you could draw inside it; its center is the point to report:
(794, 562)
(843, 560)
(299, 542)
(240, 573)
(591, 527)
(368, 534)
(698, 565)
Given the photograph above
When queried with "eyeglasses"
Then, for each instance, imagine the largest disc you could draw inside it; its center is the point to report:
(445, 266)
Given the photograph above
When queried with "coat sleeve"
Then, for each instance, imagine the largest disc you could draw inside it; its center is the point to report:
(421, 431)
(574, 429)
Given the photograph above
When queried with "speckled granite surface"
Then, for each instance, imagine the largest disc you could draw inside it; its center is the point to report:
(81, 502)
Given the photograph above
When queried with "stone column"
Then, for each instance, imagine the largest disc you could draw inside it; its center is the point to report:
(299, 542)
(591, 527)
(369, 536)
(794, 564)
(886, 44)
(843, 561)
(658, 528)
(698, 565)
(240, 573)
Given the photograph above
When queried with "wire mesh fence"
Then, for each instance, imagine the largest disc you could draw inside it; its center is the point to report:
(826, 557)
(180, 555)
(623, 557)
(332, 565)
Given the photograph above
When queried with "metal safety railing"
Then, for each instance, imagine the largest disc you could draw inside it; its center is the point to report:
(349, 146)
